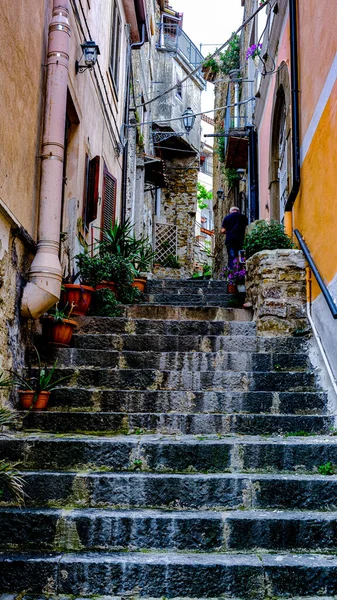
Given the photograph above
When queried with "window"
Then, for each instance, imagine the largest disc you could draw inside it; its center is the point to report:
(115, 44)
(109, 199)
(90, 200)
(179, 90)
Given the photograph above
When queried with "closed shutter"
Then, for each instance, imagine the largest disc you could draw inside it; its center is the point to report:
(109, 199)
(92, 191)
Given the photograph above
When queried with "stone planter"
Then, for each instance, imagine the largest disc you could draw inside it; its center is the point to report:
(276, 287)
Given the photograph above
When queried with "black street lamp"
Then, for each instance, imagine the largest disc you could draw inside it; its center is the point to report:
(188, 119)
(90, 53)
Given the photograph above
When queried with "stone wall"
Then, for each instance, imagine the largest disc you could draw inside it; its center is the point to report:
(276, 286)
(179, 200)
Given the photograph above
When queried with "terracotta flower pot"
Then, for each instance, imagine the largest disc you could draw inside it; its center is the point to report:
(231, 288)
(140, 283)
(59, 333)
(27, 396)
(111, 285)
(80, 295)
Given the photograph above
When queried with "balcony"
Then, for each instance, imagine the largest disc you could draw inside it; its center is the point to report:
(172, 38)
(236, 120)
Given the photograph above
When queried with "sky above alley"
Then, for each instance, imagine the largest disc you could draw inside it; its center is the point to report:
(209, 22)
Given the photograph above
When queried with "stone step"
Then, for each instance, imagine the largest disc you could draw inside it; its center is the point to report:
(116, 530)
(178, 491)
(167, 312)
(187, 402)
(187, 284)
(173, 326)
(162, 454)
(153, 379)
(178, 361)
(179, 298)
(170, 575)
(174, 423)
(29, 596)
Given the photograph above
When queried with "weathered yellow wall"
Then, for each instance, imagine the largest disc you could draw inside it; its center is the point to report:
(315, 209)
(23, 36)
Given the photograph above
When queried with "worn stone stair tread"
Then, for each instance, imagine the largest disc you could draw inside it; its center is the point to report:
(171, 574)
(185, 423)
(207, 491)
(193, 360)
(89, 398)
(146, 529)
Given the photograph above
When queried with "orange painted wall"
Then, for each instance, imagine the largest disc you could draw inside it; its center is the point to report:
(315, 212)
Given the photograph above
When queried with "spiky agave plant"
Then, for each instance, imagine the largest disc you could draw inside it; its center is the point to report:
(9, 476)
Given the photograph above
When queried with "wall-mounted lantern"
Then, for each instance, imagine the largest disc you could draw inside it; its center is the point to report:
(90, 53)
(220, 194)
(188, 119)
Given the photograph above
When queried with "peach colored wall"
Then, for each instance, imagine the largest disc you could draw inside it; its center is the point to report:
(23, 38)
(265, 127)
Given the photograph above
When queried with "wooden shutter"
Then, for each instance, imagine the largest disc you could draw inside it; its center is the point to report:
(109, 199)
(92, 196)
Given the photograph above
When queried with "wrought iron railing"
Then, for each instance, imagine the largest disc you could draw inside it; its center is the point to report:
(325, 291)
(173, 39)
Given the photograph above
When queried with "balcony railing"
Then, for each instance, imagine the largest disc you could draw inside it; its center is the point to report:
(172, 38)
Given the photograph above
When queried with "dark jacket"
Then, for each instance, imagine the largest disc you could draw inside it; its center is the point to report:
(235, 224)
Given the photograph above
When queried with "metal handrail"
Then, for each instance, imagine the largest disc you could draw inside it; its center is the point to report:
(325, 291)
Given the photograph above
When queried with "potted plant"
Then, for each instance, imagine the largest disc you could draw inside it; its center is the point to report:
(113, 272)
(81, 294)
(266, 236)
(235, 277)
(35, 391)
(9, 476)
(254, 52)
(141, 260)
(58, 326)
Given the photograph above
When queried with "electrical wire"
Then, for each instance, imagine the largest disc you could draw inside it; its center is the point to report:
(217, 51)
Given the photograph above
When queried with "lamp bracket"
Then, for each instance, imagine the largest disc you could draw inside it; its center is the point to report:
(161, 136)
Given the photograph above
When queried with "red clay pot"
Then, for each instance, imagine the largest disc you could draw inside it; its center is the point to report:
(111, 285)
(80, 295)
(59, 333)
(26, 399)
(231, 288)
(140, 283)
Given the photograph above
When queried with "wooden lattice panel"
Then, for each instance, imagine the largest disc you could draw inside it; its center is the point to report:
(165, 241)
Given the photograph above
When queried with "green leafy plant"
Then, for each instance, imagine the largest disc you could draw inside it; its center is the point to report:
(44, 380)
(105, 304)
(211, 63)
(171, 262)
(203, 196)
(129, 294)
(220, 148)
(231, 177)
(326, 469)
(87, 268)
(59, 314)
(266, 236)
(9, 476)
(230, 58)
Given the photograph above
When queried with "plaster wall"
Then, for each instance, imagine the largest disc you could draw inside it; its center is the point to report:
(265, 126)
(23, 35)
(99, 109)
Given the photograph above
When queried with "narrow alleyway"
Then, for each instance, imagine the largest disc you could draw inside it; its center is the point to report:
(170, 465)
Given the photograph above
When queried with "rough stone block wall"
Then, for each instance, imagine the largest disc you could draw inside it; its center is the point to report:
(180, 205)
(276, 286)
(15, 333)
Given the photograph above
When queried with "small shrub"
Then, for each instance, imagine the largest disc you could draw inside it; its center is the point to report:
(266, 236)
(326, 469)
(105, 304)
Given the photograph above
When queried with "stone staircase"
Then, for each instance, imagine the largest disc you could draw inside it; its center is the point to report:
(181, 461)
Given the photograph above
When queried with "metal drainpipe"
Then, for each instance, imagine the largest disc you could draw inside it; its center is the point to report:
(45, 275)
(295, 120)
(136, 45)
